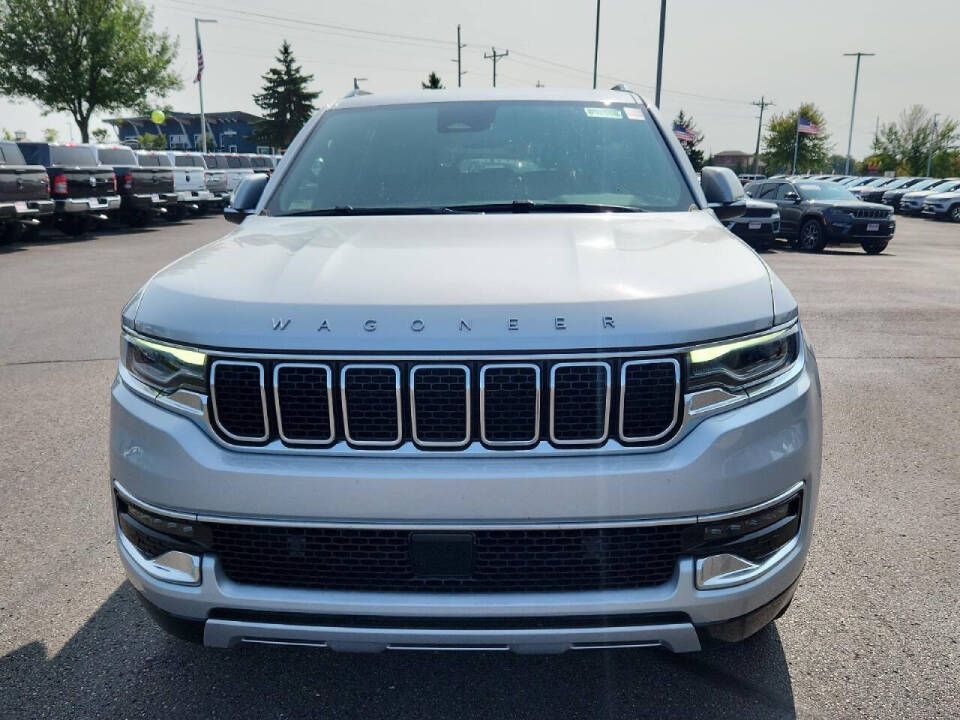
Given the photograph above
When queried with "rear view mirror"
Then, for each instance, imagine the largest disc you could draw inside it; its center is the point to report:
(245, 198)
(724, 192)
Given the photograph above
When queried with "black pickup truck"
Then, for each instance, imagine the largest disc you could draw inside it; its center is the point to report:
(83, 191)
(24, 194)
(144, 191)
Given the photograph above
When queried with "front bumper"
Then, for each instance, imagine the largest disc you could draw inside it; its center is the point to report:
(755, 228)
(861, 229)
(75, 206)
(728, 462)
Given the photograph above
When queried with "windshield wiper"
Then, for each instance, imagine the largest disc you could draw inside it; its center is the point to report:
(350, 210)
(524, 206)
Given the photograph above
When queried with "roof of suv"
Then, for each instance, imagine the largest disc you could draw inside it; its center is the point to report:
(553, 94)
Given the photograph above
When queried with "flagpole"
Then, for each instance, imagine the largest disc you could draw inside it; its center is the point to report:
(796, 146)
(203, 117)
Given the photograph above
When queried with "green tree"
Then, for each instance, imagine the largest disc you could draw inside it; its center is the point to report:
(433, 82)
(7, 135)
(691, 147)
(149, 141)
(813, 152)
(50, 134)
(83, 56)
(100, 135)
(904, 145)
(286, 101)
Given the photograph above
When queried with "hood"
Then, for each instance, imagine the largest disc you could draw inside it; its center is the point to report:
(935, 196)
(465, 282)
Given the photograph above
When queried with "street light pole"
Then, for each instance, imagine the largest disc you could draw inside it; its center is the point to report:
(203, 117)
(933, 140)
(853, 108)
(663, 25)
(596, 46)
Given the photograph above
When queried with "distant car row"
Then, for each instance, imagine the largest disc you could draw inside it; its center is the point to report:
(73, 187)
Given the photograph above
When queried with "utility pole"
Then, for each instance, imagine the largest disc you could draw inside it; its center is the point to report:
(796, 146)
(460, 46)
(357, 81)
(203, 117)
(663, 26)
(596, 46)
(494, 55)
(539, 84)
(933, 140)
(763, 103)
(853, 108)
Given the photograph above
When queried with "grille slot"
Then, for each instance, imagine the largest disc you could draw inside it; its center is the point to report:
(440, 405)
(510, 404)
(239, 401)
(302, 393)
(580, 403)
(503, 560)
(649, 398)
(371, 404)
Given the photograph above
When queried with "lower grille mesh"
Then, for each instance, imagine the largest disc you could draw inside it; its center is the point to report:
(503, 560)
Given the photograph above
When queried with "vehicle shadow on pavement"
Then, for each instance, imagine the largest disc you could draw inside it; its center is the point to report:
(119, 664)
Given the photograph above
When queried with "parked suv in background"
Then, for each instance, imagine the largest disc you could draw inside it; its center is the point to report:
(480, 371)
(893, 197)
(759, 225)
(912, 201)
(144, 191)
(943, 205)
(24, 194)
(876, 193)
(238, 169)
(83, 191)
(813, 213)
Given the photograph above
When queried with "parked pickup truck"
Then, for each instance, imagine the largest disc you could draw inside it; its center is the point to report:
(262, 163)
(189, 179)
(83, 191)
(144, 191)
(238, 169)
(217, 178)
(24, 193)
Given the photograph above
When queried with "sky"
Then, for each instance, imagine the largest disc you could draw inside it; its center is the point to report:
(720, 55)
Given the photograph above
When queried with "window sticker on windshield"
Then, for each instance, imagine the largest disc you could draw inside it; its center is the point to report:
(634, 113)
(601, 112)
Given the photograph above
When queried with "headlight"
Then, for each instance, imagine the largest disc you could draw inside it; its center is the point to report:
(837, 214)
(164, 367)
(743, 362)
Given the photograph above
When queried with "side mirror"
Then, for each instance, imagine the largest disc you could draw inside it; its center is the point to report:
(791, 197)
(245, 198)
(723, 191)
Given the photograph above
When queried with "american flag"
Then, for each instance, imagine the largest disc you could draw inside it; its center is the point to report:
(683, 134)
(807, 126)
(199, 61)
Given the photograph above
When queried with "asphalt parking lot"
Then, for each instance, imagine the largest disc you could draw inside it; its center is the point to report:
(872, 633)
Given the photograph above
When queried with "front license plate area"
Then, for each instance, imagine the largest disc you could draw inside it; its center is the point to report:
(754, 226)
(442, 554)
(20, 205)
(873, 227)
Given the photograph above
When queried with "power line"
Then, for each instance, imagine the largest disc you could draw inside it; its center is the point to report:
(494, 55)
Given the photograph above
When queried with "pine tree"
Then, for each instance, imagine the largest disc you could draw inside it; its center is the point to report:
(286, 101)
(433, 82)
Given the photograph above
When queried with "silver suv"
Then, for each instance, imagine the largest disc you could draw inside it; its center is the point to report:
(477, 370)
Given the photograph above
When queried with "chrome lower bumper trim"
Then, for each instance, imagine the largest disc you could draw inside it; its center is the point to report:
(726, 570)
(172, 566)
(678, 637)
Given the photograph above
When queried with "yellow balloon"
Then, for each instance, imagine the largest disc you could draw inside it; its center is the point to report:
(158, 117)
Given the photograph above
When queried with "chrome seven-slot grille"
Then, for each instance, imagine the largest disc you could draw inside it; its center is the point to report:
(446, 405)
(870, 213)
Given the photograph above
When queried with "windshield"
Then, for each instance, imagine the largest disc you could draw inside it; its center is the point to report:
(823, 191)
(445, 155)
(72, 156)
(899, 182)
(117, 156)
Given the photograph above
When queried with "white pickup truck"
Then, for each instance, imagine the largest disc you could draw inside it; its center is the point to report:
(238, 169)
(189, 182)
